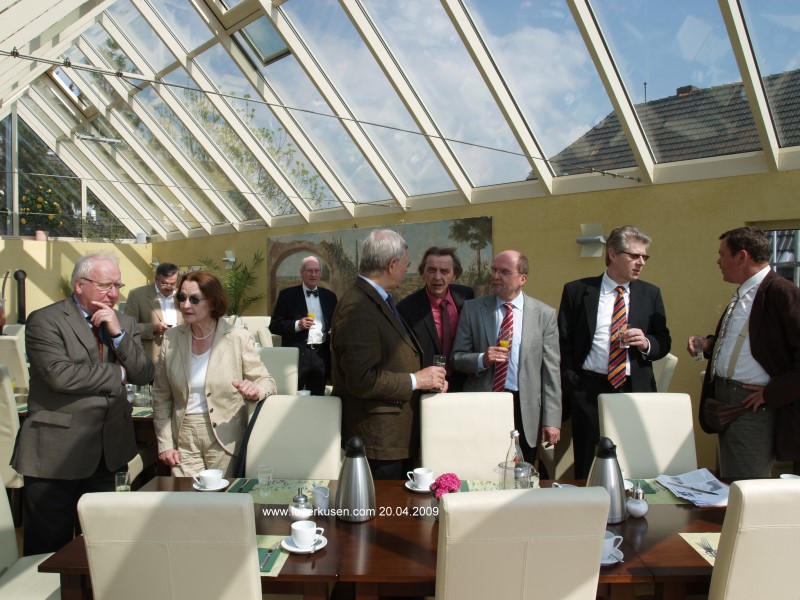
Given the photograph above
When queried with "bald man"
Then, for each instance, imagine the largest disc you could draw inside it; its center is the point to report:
(302, 317)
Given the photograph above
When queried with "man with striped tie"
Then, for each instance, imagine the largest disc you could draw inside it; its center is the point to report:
(509, 342)
(611, 328)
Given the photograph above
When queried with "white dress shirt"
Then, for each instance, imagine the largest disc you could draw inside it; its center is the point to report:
(747, 369)
(597, 359)
(168, 310)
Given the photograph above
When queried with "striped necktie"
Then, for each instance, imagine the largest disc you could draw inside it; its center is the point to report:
(506, 333)
(723, 329)
(617, 355)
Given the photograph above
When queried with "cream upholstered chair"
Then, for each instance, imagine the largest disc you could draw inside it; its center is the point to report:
(663, 370)
(15, 329)
(282, 365)
(521, 544)
(12, 354)
(170, 545)
(9, 425)
(19, 577)
(760, 536)
(466, 433)
(654, 432)
(299, 436)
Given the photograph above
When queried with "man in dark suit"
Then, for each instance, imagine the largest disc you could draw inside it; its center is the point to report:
(153, 306)
(79, 429)
(592, 334)
(377, 360)
(528, 363)
(754, 360)
(422, 310)
(302, 317)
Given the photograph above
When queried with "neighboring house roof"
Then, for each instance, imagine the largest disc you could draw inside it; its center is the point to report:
(692, 124)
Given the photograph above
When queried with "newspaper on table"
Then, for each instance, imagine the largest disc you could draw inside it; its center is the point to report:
(699, 487)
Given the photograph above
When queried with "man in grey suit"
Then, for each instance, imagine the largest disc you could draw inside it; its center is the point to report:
(79, 429)
(153, 306)
(528, 367)
(377, 360)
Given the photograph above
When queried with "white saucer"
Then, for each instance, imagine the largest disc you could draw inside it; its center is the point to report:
(287, 544)
(222, 485)
(628, 485)
(562, 485)
(613, 558)
(410, 485)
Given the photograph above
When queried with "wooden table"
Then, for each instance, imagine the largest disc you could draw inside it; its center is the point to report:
(395, 553)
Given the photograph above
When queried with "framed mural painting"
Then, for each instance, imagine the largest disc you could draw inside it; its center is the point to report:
(338, 253)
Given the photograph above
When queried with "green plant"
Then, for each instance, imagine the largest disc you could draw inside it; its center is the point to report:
(236, 281)
(65, 287)
(38, 210)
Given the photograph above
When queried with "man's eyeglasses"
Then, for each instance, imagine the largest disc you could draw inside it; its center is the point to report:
(166, 284)
(104, 287)
(181, 297)
(504, 272)
(644, 257)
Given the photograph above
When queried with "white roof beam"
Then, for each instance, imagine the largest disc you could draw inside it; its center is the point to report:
(199, 133)
(399, 81)
(230, 116)
(615, 88)
(174, 150)
(500, 91)
(757, 97)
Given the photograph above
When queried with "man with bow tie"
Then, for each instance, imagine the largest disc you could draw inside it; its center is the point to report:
(302, 317)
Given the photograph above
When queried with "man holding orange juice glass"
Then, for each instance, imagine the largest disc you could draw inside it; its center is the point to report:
(523, 347)
(302, 317)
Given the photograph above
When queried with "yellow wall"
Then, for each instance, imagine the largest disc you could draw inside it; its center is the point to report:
(684, 220)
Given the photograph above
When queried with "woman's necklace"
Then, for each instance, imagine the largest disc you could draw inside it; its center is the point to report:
(206, 336)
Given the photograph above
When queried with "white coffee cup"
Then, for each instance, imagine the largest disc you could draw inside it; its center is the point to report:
(789, 476)
(610, 543)
(305, 533)
(210, 478)
(422, 478)
(303, 392)
(321, 498)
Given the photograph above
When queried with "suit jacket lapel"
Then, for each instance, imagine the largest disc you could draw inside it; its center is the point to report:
(383, 306)
(155, 304)
(488, 308)
(81, 327)
(591, 302)
(529, 319)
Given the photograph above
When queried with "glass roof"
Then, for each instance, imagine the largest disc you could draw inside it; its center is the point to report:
(195, 118)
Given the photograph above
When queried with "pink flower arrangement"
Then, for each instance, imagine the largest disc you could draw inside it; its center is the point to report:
(444, 484)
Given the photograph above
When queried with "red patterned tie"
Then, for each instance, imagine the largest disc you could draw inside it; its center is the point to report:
(506, 333)
(617, 355)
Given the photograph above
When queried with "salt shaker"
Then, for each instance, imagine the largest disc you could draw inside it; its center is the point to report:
(299, 509)
(637, 506)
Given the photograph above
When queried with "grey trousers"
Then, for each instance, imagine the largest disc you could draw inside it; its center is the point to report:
(747, 445)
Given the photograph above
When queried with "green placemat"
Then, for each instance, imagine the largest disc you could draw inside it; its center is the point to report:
(282, 491)
(278, 557)
(142, 411)
(479, 485)
(659, 494)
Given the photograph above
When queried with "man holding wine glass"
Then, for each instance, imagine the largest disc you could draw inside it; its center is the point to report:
(610, 329)
(509, 342)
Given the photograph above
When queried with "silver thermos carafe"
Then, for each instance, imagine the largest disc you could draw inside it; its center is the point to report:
(355, 491)
(606, 473)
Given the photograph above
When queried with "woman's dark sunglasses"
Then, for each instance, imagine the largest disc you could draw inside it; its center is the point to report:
(181, 298)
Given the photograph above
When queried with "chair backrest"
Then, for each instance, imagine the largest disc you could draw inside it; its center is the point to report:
(266, 338)
(12, 354)
(663, 370)
(654, 432)
(760, 535)
(170, 545)
(254, 323)
(521, 544)
(15, 329)
(282, 365)
(466, 433)
(300, 437)
(9, 553)
(9, 425)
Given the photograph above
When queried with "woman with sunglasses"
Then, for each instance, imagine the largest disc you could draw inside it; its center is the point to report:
(206, 372)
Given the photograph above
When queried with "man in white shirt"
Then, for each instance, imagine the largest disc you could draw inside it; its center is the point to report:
(302, 317)
(590, 338)
(153, 306)
(754, 361)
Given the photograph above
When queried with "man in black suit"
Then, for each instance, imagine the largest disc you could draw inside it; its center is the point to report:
(422, 310)
(590, 335)
(302, 317)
